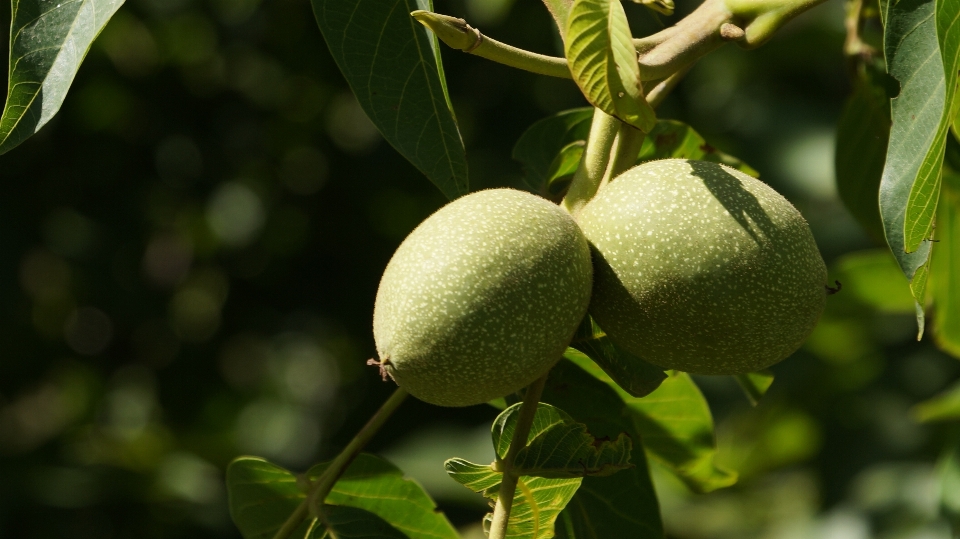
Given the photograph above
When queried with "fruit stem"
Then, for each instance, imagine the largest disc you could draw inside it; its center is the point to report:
(593, 165)
(508, 486)
(457, 34)
(324, 484)
(624, 152)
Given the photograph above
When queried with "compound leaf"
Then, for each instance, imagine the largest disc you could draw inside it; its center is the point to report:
(625, 503)
(603, 61)
(916, 33)
(262, 496)
(48, 41)
(393, 66)
(634, 375)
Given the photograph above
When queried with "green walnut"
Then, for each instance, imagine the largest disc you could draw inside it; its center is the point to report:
(702, 268)
(482, 298)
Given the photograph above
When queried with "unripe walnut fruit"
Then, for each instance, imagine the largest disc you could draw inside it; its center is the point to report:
(702, 268)
(482, 298)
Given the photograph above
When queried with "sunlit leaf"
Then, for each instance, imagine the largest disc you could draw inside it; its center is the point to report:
(393, 66)
(862, 135)
(910, 184)
(48, 41)
(623, 504)
(540, 144)
(560, 10)
(603, 61)
(945, 267)
(755, 384)
(537, 500)
(263, 495)
(673, 139)
(873, 278)
(943, 407)
(677, 430)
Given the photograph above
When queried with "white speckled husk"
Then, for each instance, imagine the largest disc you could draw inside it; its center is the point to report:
(482, 298)
(702, 268)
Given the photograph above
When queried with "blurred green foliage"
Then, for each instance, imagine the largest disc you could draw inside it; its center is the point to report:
(191, 249)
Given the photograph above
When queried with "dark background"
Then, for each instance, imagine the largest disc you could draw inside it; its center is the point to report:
(190, 250)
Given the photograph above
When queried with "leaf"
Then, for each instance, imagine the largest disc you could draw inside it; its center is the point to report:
(262, 496)
(910, 184)
(634, 375)
(393, 66)
(943, 407)
(945, 267)
(755, 384)
(48, 41)
(673, 139)
(624, 504)
(677, 430)
(873, 278)
(603, 61)
(563, 167)
(560, 10)
(862, 135)
(353, 523)
(540, 144)
(567, 449)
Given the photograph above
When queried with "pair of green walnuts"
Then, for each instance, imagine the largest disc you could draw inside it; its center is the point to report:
(690, 265)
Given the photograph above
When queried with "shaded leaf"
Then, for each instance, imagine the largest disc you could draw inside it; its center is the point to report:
(943, 407)
(673, 139)
(540, 144)
(873, 278)
(567, 449)
(353, 523)
(262, 496)
(863, 132)
(910, 184)
(631, 373)
(755, 384)
(945, 267)
(603, 61)
(393, 66)
(48, 41)
(625, 503)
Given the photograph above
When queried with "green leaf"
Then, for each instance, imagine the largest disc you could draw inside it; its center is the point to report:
(873, 278)
(540, 144)
(910, 184)
(566, 449)
(945, 267)
(563, 167)
(393, 66)
(634, 375)
(262, 496)
(943, 407)
(862, 135)
(353, 523)
(621, 505)
(755, 384)
(677, 430)
(603, 61)
(560, 10)
(673, 139)
(48, 41)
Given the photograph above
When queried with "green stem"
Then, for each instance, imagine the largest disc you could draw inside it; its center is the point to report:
(629, 142)
(508, 486)
(593, 164)
(457, 34)
(321, 488)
